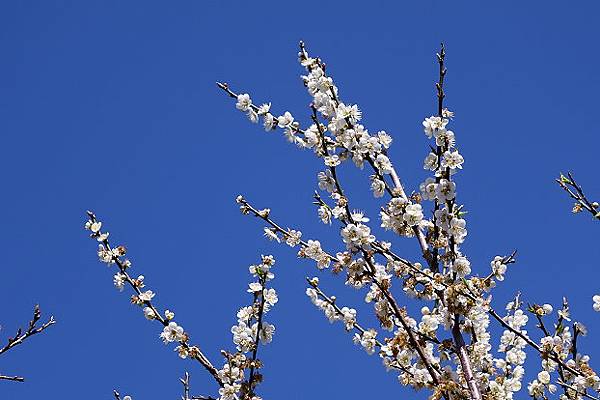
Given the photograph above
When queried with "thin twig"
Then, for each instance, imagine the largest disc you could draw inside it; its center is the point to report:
(32, 329)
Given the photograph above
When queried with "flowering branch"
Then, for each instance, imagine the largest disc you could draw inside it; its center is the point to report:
(247, 334)
(459, 300)
(383, 287)
(333, 311)
(498, 270)
(171, 332)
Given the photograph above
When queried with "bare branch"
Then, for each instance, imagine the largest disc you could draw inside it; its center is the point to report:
(32, 329)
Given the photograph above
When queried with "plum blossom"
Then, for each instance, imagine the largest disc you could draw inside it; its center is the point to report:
(428, 189)
(366, 340)
(243, 102)
(462, 267)
(413, 214)
(596, 299)
(432, 124)
(377, 186)
(445, 190)
(172, 332)
(498, 268)
(357, 236)
(285, 120)
(431, 162)
(452, 160)
(384, 165)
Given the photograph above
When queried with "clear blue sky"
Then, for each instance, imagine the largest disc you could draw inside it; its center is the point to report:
(111, 106)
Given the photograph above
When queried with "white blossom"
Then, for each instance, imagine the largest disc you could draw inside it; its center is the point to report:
(332, 161)
(498, 268)
(293, 237)
(378, 187)
(119, 280)
(264, 109)
(326, 181)
(254, 287)
(433, 124)
(428, 189)
(544, 377)
(271, 235)
(413, 214)
(431, 162)
(242, 337)
(243, 102)
(349, 317)
(458, 229)
(269, 122)
(383, 164)
(366, 340)
(172, 332)
(445, 190)
(452, 160)
(266, 333)
(149, 313)
(462, 267)
(384, 139)
(270, 296)
(596, 300)
(357, 236)
(285, 120)
(146, 296)
(324, 214)
(245, 313)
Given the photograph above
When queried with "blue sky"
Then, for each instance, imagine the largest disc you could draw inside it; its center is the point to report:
(111, 106)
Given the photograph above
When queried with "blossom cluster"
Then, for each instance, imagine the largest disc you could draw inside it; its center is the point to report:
(365, 338)
(448, 348)
(430, 352)
(250, 330)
